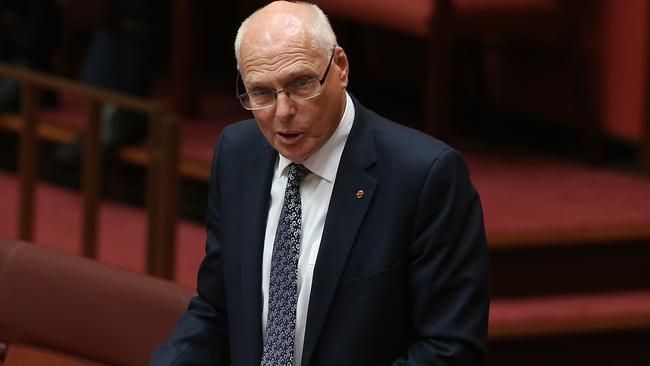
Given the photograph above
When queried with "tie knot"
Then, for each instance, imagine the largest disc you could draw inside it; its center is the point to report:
(296, 174)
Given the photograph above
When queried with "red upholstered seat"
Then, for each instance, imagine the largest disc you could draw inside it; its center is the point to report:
(22, 355)
(54, 305)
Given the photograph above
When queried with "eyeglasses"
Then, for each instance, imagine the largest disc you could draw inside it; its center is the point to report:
(300, 89)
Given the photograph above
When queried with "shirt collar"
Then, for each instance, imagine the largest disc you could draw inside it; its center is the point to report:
(325, 162)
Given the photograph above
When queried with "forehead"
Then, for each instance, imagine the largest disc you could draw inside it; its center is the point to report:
(261, 67)
(277, 45)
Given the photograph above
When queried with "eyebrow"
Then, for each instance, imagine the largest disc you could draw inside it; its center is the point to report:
(291, 75)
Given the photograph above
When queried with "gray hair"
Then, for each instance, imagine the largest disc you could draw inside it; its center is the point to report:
(323, 37)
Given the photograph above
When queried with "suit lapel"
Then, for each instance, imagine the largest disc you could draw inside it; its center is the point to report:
(255, 207)
(344, 217)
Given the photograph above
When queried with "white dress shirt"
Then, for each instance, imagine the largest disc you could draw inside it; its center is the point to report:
(315, 194)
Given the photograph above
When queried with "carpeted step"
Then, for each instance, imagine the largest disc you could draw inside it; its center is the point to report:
(517, 318)
(616, 265)
(600, 329)
(532, 199)
(555, 226)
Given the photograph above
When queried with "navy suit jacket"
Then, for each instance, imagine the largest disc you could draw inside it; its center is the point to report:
(401, 274)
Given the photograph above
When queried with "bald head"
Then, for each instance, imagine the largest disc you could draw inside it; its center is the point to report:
(282, 21)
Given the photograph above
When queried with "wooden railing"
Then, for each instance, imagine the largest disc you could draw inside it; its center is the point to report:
(163, 146)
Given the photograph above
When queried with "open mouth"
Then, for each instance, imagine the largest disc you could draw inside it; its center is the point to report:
(289, 137)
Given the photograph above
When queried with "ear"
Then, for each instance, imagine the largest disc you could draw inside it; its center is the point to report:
(341, 62)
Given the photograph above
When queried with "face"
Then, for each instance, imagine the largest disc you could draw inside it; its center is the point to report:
(296, 129)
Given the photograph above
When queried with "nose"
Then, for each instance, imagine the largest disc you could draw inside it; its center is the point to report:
(284, 107)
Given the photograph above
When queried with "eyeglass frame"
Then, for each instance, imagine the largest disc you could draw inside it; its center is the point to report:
(284, 90)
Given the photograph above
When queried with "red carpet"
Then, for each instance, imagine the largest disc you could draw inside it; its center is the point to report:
(530, 194)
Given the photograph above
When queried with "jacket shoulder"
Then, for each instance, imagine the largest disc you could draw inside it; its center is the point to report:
(242, 135)
(407, 143)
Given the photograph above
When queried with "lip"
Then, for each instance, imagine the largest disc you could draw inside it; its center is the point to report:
(289, 137)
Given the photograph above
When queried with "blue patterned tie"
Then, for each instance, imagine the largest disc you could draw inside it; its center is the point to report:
(283, 284)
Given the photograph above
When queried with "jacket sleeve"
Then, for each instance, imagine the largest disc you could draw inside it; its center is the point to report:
(448, 269)
(201, 335)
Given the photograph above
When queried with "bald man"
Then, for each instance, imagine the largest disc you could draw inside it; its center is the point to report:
(335, 237)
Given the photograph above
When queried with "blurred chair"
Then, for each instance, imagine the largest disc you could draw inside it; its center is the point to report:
(442, 22)
(57, 309)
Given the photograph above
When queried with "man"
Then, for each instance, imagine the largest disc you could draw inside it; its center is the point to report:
(335, 237)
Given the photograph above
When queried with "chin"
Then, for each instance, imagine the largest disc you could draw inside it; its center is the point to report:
(291, 155)
(296, 159)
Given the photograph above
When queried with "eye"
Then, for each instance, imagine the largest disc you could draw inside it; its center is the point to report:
(302, 83)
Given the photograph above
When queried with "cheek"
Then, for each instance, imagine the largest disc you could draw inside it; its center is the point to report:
(325, 120)
(316, 117)
(263, 118)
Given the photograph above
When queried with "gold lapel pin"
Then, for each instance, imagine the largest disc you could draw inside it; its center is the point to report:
(360, 194)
